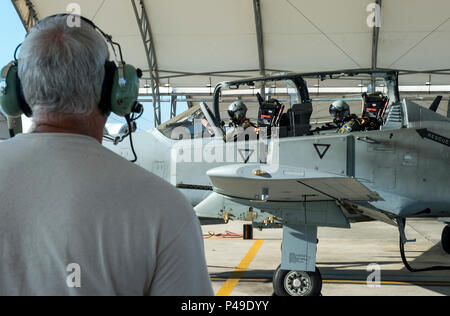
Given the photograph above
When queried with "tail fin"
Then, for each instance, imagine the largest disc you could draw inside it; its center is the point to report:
(435, 105)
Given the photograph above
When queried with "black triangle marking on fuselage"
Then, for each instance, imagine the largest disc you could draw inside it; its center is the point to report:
(249, 154)
(322, 149)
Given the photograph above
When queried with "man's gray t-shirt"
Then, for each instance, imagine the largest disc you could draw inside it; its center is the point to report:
(73, 213)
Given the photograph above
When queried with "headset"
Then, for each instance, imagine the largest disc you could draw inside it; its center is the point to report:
(119, 92)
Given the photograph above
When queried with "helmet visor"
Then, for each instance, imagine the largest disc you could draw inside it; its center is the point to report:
(333, 110)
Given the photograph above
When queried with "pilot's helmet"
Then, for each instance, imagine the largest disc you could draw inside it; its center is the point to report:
(340, 110)
(237, 111)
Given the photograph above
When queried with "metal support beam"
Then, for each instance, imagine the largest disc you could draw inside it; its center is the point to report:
(260, 41)
(147, 38)
(375, 39)
(259, 36)
(190, 101)
(173, 106)
(179, 74)
(26, 12)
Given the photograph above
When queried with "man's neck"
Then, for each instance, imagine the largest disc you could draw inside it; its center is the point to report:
(92, 125)
(48, 128)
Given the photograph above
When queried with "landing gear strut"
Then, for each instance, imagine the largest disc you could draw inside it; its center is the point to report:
(297, 283)
(446, 239)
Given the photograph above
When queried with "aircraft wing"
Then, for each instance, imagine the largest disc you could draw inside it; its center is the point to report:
(287, 184)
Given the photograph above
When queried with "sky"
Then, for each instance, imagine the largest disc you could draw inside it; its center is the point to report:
(12, 33)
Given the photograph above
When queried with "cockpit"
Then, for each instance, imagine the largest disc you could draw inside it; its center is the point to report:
(281, 106)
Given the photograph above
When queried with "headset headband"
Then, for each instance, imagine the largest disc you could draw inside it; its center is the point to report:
(107, 37)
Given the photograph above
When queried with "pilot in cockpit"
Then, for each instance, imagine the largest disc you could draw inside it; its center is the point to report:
(344, 120)
(340, 110)
(347, 123)
(237, 112)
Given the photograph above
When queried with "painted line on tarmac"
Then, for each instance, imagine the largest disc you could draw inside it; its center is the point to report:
(408, 283)
(237, 274)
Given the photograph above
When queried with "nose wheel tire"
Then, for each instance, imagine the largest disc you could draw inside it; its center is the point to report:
(297, 283)
(446, 239)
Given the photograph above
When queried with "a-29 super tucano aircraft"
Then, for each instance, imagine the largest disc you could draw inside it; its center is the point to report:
(396, 166)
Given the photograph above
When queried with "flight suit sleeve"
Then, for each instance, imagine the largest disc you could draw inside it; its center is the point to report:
(181, 267)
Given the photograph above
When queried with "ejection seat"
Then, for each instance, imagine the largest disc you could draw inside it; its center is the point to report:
(296, 122)
(374, 104)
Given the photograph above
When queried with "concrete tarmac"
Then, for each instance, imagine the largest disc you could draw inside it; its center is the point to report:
(245, 267)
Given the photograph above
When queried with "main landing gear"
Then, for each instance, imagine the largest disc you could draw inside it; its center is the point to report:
(297, 283)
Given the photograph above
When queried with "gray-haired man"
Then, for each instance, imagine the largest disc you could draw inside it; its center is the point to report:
(76, 219)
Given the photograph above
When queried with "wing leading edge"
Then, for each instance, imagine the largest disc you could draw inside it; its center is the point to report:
(287, 184)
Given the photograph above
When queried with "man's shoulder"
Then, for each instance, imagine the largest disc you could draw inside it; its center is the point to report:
(146, 185)
(136, 175)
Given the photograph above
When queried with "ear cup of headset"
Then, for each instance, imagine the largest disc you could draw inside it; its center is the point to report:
(119, 94)
(125, 90)
(12, 100)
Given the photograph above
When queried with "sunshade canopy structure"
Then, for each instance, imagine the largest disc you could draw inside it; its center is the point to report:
(198, 43)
